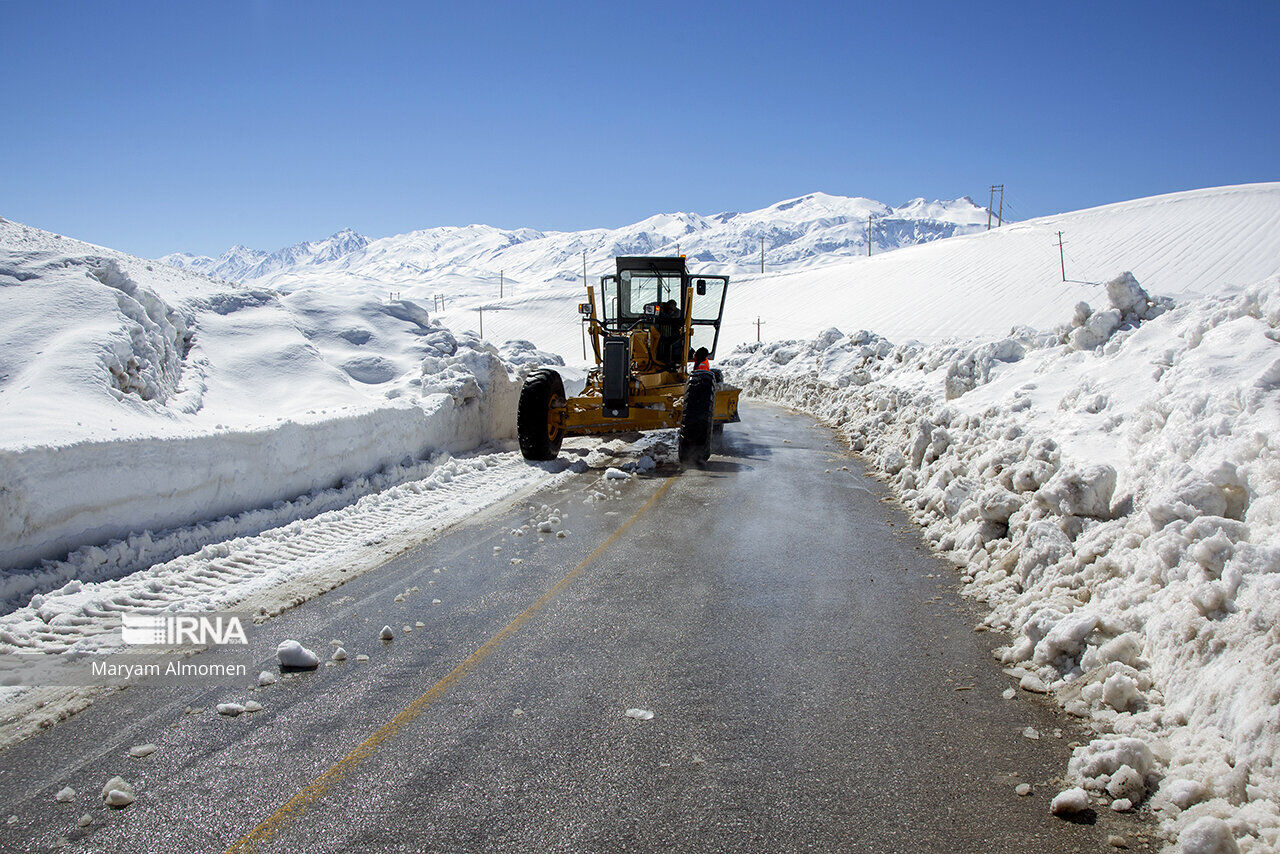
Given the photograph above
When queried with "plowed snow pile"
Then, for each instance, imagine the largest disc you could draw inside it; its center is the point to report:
(1111, 491)
(148, 411)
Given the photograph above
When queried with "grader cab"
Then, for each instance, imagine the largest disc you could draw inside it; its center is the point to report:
(646, 325)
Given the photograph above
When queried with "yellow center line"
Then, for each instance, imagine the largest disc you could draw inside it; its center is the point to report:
(296, 806)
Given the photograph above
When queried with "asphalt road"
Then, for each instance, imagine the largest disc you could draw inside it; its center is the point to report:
(813, 674)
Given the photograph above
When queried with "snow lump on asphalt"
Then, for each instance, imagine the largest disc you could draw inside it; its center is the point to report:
(290, 653)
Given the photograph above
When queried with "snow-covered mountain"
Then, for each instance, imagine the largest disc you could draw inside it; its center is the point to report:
(796, 233)
(241, 264)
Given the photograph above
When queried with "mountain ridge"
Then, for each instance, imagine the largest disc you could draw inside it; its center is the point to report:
(796, 232)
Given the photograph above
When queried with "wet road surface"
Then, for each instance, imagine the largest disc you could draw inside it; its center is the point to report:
(813, 674)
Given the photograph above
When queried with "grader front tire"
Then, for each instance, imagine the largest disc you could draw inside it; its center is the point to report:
(541, 401)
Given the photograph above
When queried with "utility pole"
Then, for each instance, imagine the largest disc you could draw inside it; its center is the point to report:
(762, 255)
(759, 323)
(584, 282)
(481, 310)
(868, 235)
(991, 203)
(502, 283)
(1061, 262)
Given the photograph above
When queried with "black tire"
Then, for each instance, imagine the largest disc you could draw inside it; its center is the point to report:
(698, 416)
(543, 391)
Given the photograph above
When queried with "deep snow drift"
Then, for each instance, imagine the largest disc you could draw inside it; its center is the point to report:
(1111, 491)
(137, 397)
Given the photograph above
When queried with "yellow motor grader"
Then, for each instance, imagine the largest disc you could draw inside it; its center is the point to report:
(650, 320)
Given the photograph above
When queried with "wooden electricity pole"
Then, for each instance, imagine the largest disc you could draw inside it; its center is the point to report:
(584, 271)
(868, 235)
(1000, 215)
(502, 284)
(991, 203)
(762, 255)
(759, 323)
(481, 310)
(1061, 262)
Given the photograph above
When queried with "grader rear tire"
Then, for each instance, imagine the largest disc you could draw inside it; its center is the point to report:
(542, 393)
(698, 416)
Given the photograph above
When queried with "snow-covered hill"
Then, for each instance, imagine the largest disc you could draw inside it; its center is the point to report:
(796, 232)
(979, 283)
(1199, 241)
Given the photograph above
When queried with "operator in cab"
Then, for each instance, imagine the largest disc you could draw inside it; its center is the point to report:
(700, 360)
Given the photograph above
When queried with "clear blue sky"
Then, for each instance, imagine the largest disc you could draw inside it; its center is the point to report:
(157, 126)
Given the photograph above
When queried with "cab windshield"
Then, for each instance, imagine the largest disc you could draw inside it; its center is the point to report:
(627, 295)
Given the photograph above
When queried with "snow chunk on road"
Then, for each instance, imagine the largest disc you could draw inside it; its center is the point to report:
(386, 634)
(639, 714)
(290, 653)
(1103, 757)
(231, 710)
(1034, 684)
(612, 473)
(266, 678)
(65, 795)
(1070, 802)
(339, 654)
(118, 793)
(141, 751)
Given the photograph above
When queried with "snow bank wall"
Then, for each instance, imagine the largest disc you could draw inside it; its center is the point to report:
(55, 499)
(1111, 491)
(137, 400)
